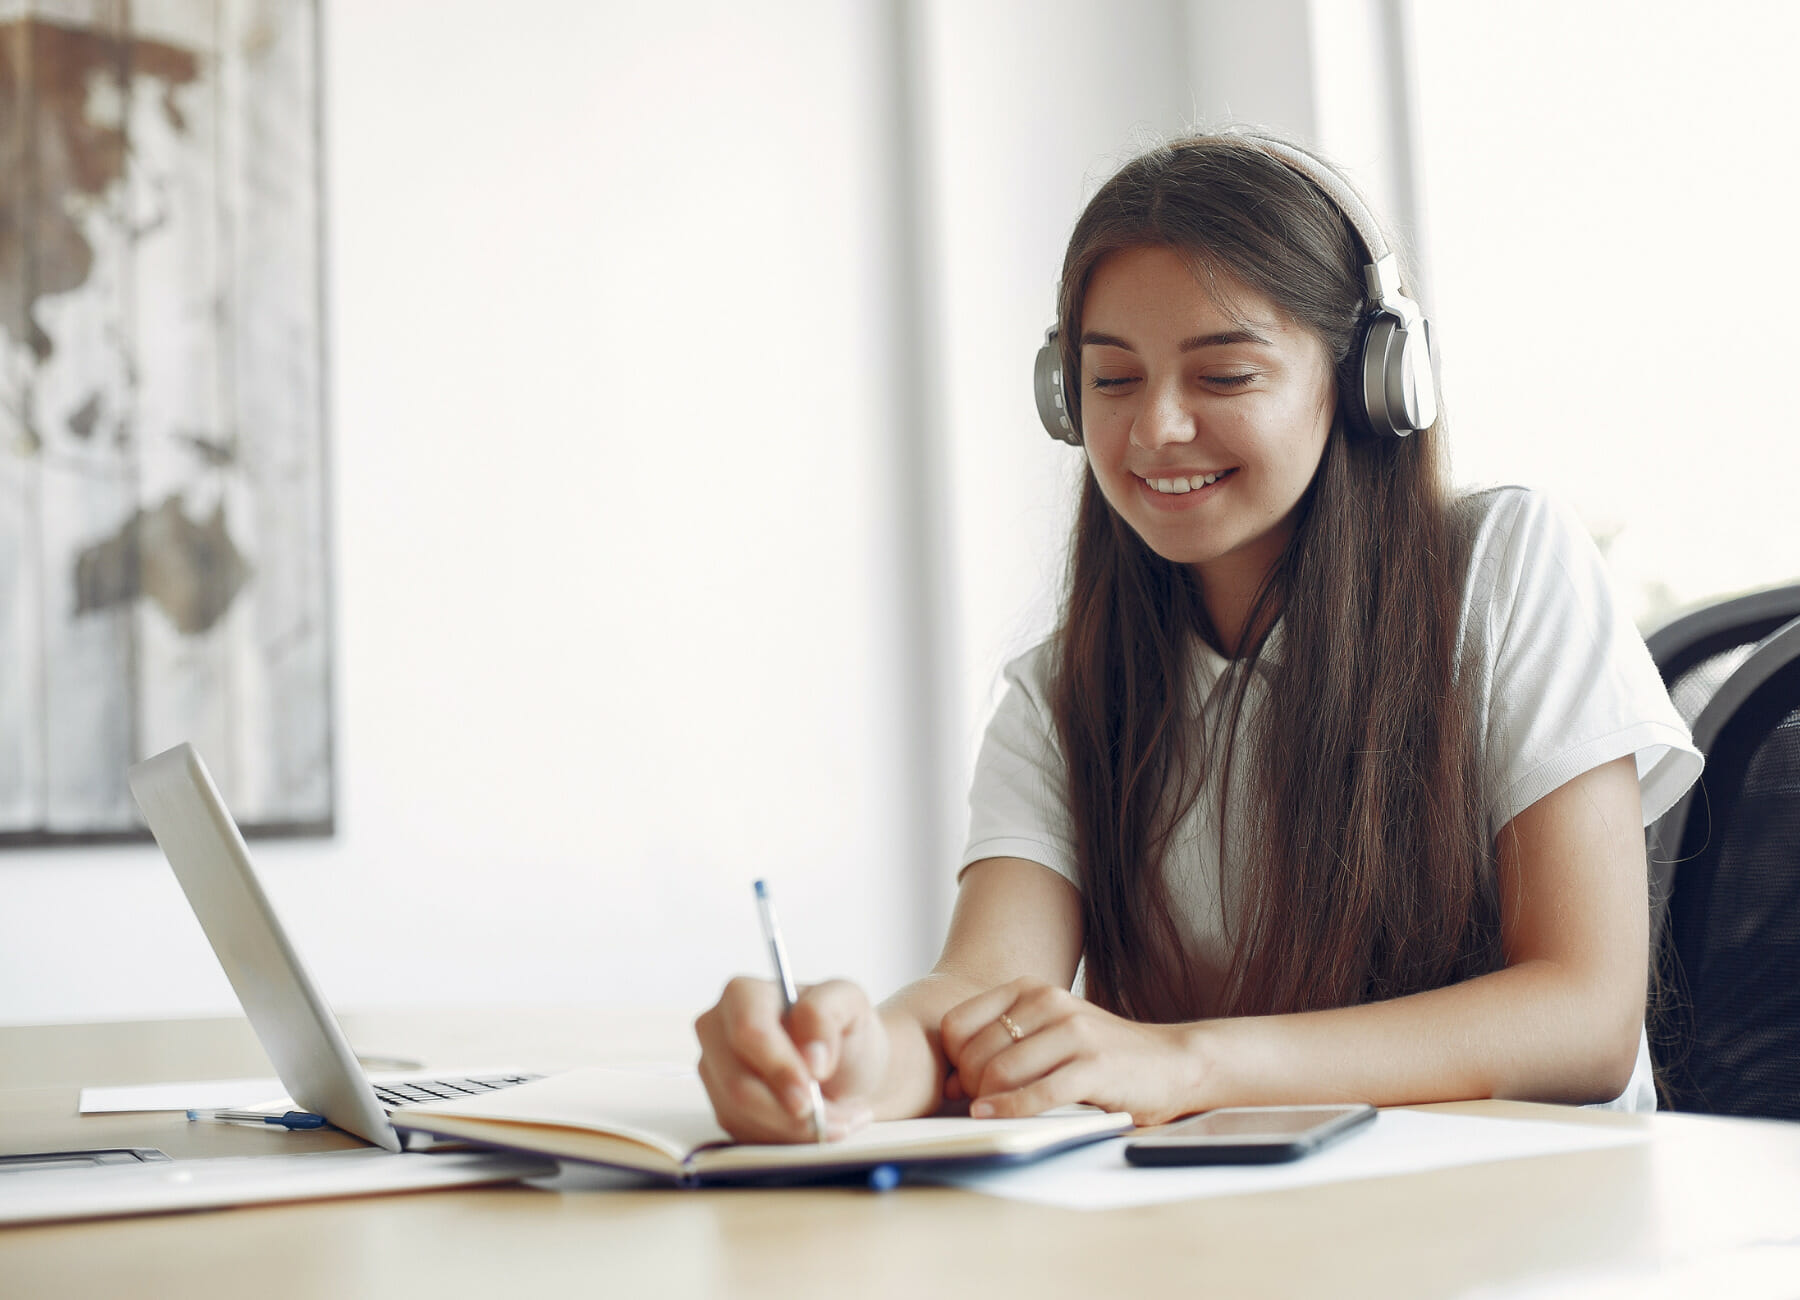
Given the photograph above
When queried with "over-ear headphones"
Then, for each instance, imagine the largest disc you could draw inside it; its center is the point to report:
(1399, 392)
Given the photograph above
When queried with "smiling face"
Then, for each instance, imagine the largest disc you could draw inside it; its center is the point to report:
(1203, 419)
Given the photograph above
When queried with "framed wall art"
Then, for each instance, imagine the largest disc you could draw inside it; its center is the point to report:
(164, 559)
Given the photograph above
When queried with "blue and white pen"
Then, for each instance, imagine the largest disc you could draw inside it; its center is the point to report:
(765, 907)
(290, 1120)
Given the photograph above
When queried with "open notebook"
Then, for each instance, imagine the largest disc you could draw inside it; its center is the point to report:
(665, 1126)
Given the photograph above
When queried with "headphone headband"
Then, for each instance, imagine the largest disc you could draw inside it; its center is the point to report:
(1399, 390)
(1315, 170)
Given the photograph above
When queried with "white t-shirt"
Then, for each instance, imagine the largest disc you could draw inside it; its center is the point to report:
(1566, 685)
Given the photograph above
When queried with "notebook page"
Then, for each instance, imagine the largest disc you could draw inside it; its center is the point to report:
(670, 1114)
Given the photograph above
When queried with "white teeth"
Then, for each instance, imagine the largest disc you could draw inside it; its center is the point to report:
(1176, 486)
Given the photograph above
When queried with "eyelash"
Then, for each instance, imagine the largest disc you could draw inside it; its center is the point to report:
(1099, 383)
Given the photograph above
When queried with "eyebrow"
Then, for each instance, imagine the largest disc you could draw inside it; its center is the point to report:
(1222, 339)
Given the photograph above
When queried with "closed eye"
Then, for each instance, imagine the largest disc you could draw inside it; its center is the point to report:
(1102, 383)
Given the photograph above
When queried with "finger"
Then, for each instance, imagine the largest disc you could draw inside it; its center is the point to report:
(1021, 1063)
(968, 1018)
(985, 1050)
(752, 1032)
(979, 1053)
(751, 1113)
(1035, 1008)
(1059, 1088)
(745, 1106)
(822, 1019)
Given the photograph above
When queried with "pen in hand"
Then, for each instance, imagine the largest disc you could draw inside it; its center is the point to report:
(765, 907)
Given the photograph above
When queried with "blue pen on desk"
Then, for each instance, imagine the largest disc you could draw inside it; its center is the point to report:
(765, 907)
(293, 1119)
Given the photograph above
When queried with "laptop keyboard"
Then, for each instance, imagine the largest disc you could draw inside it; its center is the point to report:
(419, 1091)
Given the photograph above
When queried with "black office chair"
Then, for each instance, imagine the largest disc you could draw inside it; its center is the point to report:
(1695, 653)
(1728, 1036)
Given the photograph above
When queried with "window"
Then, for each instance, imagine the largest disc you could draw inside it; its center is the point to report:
(1609, 198)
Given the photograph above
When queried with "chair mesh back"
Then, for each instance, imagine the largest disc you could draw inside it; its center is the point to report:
(1738, 946)
(1690, 690)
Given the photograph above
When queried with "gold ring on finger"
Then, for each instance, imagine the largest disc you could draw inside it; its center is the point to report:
(1011, 1027)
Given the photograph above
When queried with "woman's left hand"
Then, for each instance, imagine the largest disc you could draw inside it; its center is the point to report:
(1027, 1047)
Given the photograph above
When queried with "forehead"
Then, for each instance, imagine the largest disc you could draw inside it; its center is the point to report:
(1148, 290)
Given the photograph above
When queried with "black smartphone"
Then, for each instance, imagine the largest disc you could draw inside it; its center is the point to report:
(1248, 1135)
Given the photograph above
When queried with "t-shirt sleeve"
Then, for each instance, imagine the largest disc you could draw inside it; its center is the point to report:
(1572, 683)
(1018, 805)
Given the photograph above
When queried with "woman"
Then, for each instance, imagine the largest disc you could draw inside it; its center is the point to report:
(1329, 786)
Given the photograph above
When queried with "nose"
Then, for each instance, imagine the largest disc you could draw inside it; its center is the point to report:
(1163, 419)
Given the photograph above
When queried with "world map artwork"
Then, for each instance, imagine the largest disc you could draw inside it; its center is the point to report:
(163, 558)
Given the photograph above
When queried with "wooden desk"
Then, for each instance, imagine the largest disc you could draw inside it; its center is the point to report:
(1699, 1187)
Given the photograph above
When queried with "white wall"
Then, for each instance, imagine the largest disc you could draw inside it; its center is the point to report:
(639, 316)
(687, 491)
(1032, 106)
(613, 554)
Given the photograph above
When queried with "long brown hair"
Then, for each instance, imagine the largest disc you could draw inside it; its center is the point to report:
(1367, 869)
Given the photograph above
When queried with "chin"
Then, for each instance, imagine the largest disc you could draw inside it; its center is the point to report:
(1176, 549)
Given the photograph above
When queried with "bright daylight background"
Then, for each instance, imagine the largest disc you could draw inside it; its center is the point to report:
(687, 493)
(1609, 207)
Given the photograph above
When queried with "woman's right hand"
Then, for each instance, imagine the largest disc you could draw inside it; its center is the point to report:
(756, 1068)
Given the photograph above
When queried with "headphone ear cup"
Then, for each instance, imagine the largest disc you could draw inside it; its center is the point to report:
(1047, 384)
(1399, 395)
(1377, 352)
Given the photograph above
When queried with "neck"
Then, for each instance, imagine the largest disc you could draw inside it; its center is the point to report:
(1229, 587)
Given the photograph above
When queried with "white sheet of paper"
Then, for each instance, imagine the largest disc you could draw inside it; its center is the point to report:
(201, 1094)
(267, 1094)
(1096, 1177)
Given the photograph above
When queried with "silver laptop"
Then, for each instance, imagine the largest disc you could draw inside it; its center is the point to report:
(297, 1029)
